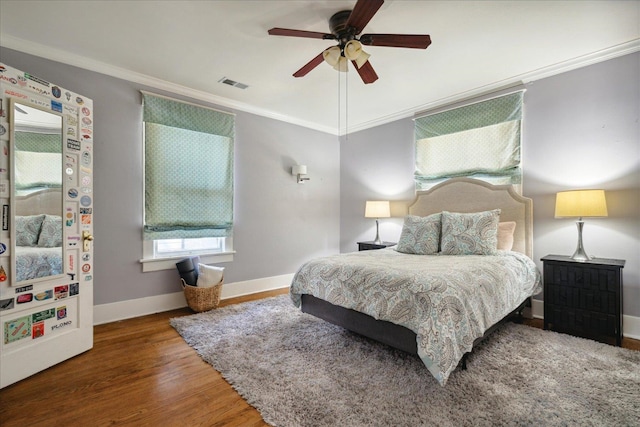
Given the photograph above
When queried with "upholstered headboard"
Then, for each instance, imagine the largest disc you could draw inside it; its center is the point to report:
(471, 195)
(41, 202)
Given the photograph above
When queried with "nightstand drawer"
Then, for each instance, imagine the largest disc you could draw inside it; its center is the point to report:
(581, 322)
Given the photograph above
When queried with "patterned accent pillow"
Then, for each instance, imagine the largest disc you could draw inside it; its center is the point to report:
(28, 229)
(470, 233)
(51, 234)
(505, 235)
(420, 235)
(209, 275)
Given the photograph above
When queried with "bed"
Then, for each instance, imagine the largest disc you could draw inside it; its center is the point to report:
(440, 304)
(38, 225)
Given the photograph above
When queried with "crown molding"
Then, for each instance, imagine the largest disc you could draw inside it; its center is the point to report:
(79, 61)
(122, 73)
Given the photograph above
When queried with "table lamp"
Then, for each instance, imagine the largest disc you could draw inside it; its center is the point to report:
(580, 204)
(377, 209)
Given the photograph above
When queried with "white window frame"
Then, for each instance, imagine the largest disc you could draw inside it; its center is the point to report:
(153, 262)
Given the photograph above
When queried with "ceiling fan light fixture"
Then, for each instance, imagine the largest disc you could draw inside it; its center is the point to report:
(342, 65)
(332, 56)
(354, 52)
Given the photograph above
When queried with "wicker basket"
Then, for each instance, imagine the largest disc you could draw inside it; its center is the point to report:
(202, 299)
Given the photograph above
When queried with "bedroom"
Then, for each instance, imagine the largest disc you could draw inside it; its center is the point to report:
(588, 113)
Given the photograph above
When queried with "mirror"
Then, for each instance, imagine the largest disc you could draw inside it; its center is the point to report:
(36, 198)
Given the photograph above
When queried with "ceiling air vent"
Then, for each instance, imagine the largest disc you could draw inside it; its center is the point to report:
(233, 83)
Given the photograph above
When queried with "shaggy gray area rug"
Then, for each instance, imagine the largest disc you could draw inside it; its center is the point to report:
(298, 370)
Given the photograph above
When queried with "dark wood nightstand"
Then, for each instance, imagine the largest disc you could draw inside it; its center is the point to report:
(368, 246)
(584, 298)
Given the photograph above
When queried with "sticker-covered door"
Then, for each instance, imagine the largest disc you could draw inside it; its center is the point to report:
(46, 241)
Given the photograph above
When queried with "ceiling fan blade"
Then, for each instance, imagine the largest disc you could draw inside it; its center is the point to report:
(309, 66)
(415, 41)
(367, 73)
(300, 33)
(362, 13)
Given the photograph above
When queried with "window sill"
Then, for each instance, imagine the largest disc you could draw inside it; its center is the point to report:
(157, 264)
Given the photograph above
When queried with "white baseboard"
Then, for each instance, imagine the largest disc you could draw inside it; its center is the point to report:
(630, 324)
(112, 312)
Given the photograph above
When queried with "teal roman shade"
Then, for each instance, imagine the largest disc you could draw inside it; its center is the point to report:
(480, 140)
(188, 170)
(38, 160)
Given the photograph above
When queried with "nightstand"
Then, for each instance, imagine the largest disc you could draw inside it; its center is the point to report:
(368, 246)
(584, 298)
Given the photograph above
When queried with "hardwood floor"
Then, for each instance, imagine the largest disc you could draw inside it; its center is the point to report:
(139, 373)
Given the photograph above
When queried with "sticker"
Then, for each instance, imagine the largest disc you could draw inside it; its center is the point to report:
(67, 94)
(79, 101)
(61, 291)
(24, 289)
(3, 130)
(74, 289)
(61, 325)
(84, 201)
(61, 312)
(72, 265)
(72, 144)
(5, 217)
(86, 189)
(43, 315)
(86, 158)
(86, 257)
(85, 219)
(73, 193)
(86, 268)
(23, 298)
(3, 274)
(6, 304)
(86, 120)
(37, 330)
(69, 171)
(44, 295)
(17, 329)
(56, 92)
(37, 80)
(87, 211)
(88, 277)
(69, 220)
(3, 248)
(56, 106)
(86, 111)
(86, 180)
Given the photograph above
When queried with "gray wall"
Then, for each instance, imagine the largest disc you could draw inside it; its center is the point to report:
(278, 223)
(581, 130)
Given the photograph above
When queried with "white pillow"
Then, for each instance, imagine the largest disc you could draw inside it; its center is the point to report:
(505, 235)
(209, 275)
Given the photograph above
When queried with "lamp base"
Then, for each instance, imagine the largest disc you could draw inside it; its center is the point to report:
(580, 255)
(377, 241)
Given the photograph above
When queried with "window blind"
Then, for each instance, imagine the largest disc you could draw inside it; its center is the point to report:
(188, 170)
(480, 140)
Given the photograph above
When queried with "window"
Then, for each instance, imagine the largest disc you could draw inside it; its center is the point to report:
(480, 140)
(188, 193)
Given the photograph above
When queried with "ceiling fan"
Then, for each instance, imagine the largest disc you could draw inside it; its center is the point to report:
(345, 27)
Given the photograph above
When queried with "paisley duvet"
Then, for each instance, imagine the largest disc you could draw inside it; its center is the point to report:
(447, 300)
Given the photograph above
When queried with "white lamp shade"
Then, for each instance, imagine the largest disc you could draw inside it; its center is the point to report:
(353, 51)
(581, 203)
(299, 170)
(332, 55)
(377, 209)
